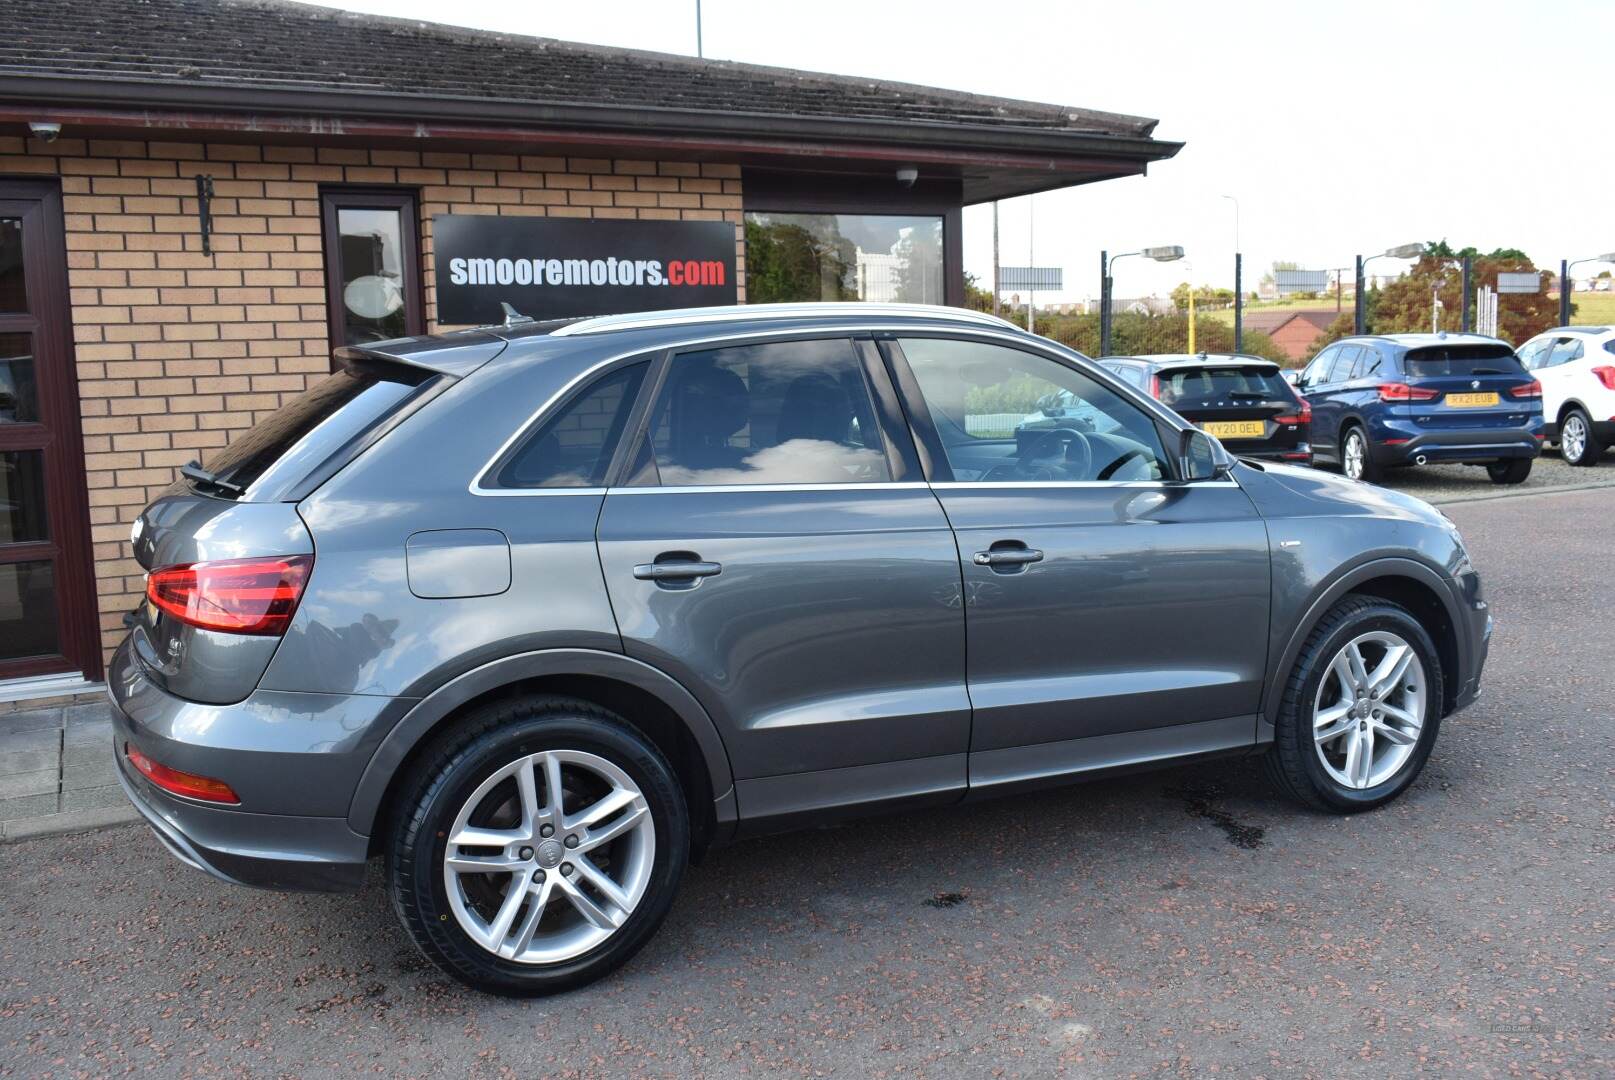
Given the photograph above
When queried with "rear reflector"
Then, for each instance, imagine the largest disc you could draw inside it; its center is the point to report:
(1606, 375)
(234, 596)
(181, 783)
(1396, 391)
(1532, 389)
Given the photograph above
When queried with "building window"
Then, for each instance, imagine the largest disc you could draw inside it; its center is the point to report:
(372, 266)
(876, 257)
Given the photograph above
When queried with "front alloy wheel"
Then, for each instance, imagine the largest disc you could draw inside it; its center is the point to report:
(1369, 710)
(1361, 709)
(1355, 461)
(1576, 442)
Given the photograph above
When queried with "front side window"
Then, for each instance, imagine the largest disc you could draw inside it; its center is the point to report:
(1534, 354)
(1340, 370)
(787, 412)
(881, 258)
(574, 447)
(1564, 351)
(1317, 372)
(1007, 415)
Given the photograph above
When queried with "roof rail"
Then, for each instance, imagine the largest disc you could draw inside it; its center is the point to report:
(682, 316)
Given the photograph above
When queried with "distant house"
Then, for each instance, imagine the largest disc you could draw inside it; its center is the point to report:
(1292, 331)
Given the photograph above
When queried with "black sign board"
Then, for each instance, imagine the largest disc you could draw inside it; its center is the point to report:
(558, 267)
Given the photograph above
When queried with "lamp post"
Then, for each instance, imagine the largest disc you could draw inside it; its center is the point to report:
(1401, 251)
(1106, 284)
(1239, 285)
(1564, 282)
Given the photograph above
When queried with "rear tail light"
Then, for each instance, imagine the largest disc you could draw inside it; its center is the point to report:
(181, 783)
(1155, 387)
(1532, 389)
(1302, 416)
(1606, 375)
(235, 596)
(1396, 391)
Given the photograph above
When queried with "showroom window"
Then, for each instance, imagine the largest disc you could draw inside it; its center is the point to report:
(883, 258)
(372, 266)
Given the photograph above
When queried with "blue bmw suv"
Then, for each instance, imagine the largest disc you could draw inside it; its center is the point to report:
(1415, 399)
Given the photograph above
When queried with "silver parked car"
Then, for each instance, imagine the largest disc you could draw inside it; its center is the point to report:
(538, 613)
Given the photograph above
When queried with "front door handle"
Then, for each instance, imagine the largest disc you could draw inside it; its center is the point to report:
(1008, 556)
(676, 570)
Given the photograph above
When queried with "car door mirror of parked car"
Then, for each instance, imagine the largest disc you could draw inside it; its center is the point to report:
(1202, 457)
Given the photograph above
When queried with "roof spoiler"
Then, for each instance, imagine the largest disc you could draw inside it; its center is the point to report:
(456, 355)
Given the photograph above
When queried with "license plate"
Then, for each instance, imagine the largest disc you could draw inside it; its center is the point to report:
(1236, 429)
(1471, 401)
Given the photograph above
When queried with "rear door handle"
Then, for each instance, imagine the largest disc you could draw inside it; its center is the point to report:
(681, 570)
(1015, 556)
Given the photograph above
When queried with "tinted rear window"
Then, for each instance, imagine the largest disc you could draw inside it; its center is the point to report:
(333, 419)
(1463, 360)
(1212, 383)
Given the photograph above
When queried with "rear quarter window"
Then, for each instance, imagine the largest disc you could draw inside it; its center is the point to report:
(319, 430)
(1462, 360)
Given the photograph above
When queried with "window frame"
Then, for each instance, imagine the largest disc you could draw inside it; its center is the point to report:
(406, 201)
(933, 455)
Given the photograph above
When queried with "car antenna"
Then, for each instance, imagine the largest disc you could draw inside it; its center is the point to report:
(512, 316)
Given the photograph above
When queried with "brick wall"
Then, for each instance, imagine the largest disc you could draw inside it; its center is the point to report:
(178, 351)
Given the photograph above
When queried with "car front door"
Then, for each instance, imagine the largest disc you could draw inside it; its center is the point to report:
(1112, 614)
(773, 546)
(1328, 404)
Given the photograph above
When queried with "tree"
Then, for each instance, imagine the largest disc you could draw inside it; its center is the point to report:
(1404, 305)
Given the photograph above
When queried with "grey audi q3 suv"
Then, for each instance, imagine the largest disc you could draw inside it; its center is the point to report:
(538, 613)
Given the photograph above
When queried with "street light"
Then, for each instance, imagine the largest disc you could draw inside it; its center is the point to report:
(1564, 282)
(1239, 283)
(1159, 254)
(1401, 251)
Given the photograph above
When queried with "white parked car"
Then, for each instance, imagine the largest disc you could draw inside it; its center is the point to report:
(1576, 367)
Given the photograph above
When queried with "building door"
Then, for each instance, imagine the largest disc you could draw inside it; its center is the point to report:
(47, 591)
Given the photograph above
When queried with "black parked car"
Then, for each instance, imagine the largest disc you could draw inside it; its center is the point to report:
(1243, 400)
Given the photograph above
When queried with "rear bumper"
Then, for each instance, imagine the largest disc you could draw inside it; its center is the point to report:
(1296, 454)
(295, 763)
(1404, 442)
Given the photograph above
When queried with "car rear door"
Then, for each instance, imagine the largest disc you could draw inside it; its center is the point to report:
(1112, 614)
(1464, 386)
(773, 547)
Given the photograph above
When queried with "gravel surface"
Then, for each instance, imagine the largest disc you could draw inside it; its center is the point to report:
(1457, 483)
(1182, 923)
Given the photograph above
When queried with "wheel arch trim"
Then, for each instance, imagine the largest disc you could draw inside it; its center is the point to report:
(1326, 596)
(425, 716)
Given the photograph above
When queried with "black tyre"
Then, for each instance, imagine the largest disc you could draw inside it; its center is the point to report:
(1509, 472)
(1355, 751)
(1357, 457)
(1577, 443)
(537, 846)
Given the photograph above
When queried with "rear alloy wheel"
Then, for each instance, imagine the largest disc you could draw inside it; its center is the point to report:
(1355, 460)
(539, 846)
(1509, 472)
(1577, 443)
(1361, 710)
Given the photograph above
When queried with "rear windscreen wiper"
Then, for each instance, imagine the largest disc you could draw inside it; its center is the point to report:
(193, 470)
(1249, 395)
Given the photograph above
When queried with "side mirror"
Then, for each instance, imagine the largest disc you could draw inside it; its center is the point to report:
(1200, 457)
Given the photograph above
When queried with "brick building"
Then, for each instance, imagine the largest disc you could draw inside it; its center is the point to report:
(1294, 332)
(199, 199)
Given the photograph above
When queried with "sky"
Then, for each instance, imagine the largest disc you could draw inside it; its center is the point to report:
(1340, 127)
